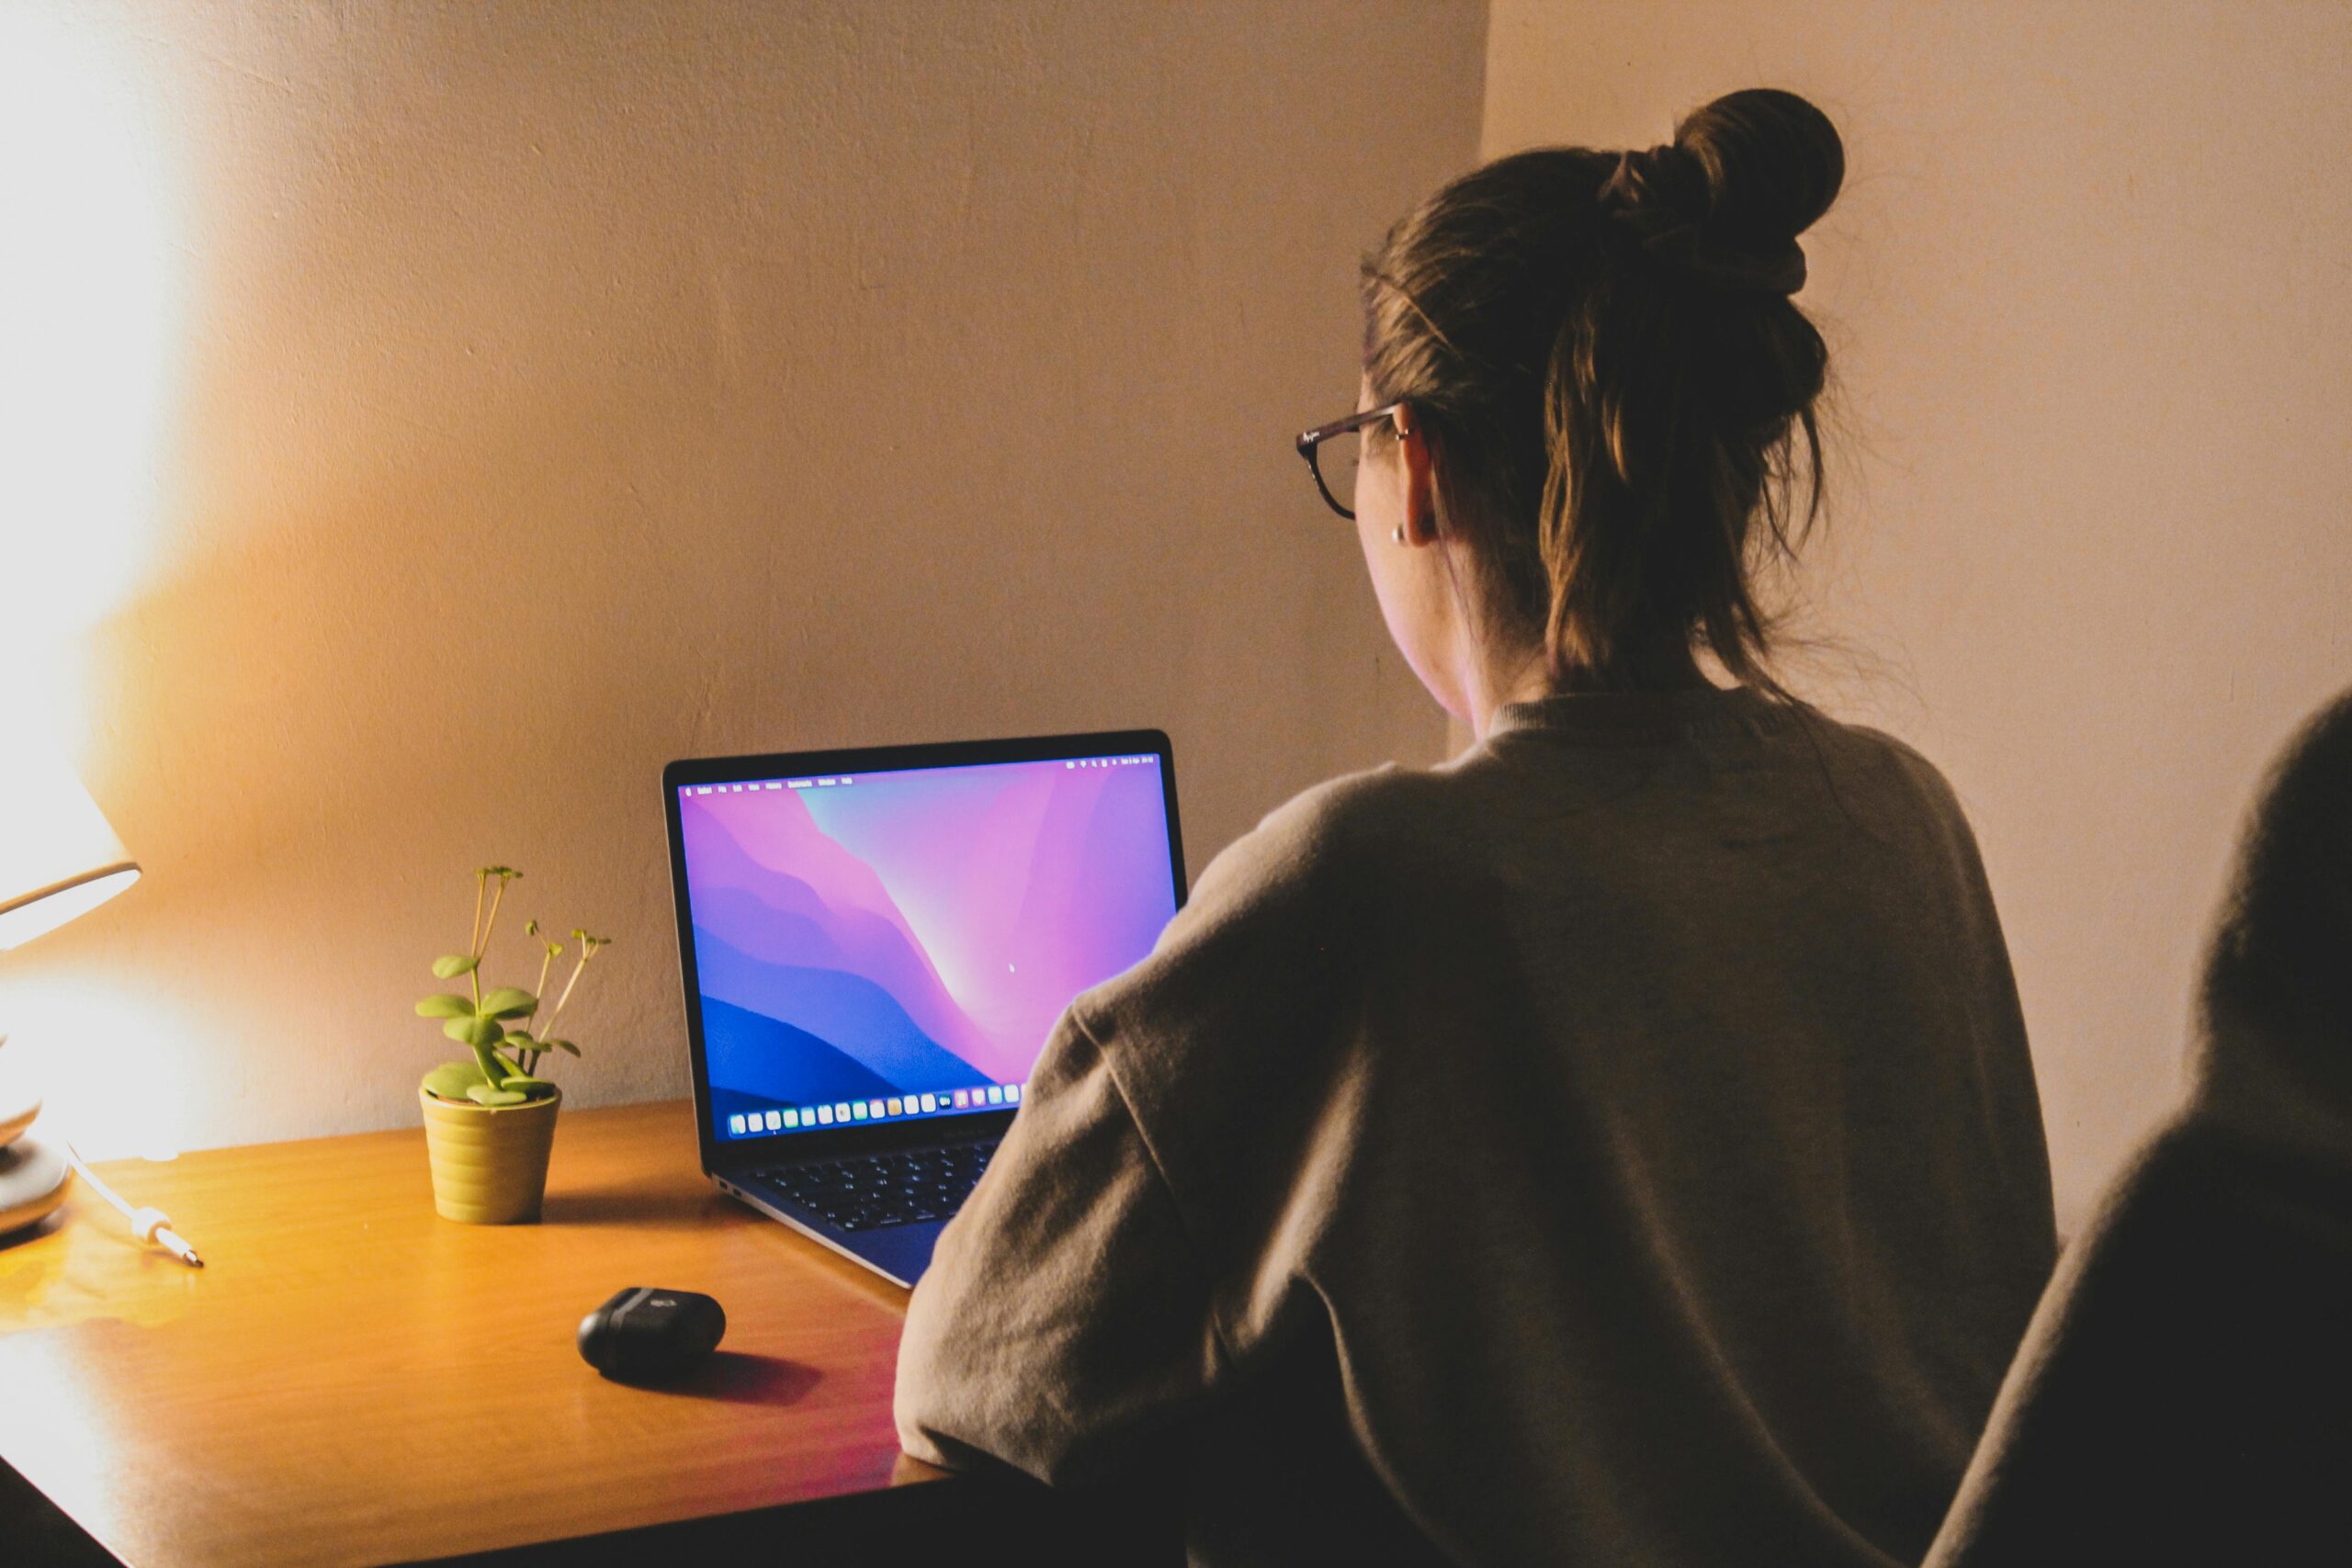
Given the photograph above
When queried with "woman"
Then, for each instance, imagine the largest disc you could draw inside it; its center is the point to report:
(1619, 1144)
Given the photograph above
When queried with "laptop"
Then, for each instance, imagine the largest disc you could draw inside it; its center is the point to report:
(875, 946)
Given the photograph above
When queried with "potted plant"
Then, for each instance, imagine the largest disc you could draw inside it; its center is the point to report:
(490, 1120)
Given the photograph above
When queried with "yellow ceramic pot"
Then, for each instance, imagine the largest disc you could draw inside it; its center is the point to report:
(489, 1162)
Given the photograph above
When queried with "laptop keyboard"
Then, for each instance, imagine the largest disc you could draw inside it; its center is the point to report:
(868, 1192)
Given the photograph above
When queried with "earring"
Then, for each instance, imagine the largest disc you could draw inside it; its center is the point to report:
(1398, 532)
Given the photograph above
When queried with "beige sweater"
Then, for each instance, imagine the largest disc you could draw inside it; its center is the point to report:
(1617, 1145)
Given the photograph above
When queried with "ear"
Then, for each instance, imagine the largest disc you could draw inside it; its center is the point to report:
(1419, 461)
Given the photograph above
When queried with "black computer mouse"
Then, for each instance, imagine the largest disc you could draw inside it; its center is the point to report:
(644, 1334)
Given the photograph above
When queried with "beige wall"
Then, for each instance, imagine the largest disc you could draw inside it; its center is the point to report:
(517, 397)
(2087, 288)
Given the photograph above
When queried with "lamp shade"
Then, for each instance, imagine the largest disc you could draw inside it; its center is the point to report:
(59, 858)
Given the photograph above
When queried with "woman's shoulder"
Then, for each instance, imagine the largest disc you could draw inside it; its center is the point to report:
(1261, 943)
(1892, 750)
(1331, 836)
(1890, 789)
(1921, 778)
(1282, 893)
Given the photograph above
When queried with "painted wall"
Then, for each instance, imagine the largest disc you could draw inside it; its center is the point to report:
(447, 413)
(2088, 292)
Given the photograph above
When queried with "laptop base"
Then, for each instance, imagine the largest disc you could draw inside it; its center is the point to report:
(898, 1253)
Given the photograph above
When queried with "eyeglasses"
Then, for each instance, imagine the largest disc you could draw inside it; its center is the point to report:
(1333, 451)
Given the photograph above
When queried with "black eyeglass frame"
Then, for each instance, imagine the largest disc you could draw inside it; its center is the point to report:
(1308, 442)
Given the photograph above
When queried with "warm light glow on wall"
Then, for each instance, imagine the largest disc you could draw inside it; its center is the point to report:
(88, 266)
(91, 261)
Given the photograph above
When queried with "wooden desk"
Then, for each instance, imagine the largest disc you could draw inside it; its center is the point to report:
(352, 1378)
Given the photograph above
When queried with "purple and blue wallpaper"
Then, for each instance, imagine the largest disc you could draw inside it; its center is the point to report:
(896, 934)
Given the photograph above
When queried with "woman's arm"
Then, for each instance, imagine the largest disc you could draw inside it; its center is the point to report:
(1065, 1318)
(1127, 1249)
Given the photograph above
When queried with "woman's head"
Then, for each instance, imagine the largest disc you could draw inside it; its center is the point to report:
(1608, 399)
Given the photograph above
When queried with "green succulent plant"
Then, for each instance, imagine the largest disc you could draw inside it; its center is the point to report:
(502, 1026)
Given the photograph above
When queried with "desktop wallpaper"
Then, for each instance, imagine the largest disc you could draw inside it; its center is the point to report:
(916, 930)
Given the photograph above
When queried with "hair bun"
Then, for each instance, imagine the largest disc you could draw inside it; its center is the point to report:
(1772, 163)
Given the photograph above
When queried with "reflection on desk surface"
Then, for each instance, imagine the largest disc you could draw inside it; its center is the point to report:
(352, 1378)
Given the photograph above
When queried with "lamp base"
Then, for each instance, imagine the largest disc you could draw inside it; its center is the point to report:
(34, 1179)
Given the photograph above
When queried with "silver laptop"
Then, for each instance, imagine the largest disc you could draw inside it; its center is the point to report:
(874, 945)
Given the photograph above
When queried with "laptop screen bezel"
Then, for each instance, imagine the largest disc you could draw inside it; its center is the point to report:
(738, 1153)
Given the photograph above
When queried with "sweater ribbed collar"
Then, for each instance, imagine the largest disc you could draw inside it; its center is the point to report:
(1638, 718)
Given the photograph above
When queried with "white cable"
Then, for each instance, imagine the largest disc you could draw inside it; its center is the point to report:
(150, 1225)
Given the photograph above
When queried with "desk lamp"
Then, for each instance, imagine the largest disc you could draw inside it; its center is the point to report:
(58, 859)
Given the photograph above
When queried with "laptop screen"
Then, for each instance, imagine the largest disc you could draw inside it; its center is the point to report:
(896, 945)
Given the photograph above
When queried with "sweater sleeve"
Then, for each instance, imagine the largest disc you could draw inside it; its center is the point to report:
(1086, 1297)
(1065, 1316)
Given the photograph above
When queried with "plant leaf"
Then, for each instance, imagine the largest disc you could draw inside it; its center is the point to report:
(445, 1006)
(564, 1046)
(451, 965)
(474, 1030)
(452, 1080)
(483, 1094)
(522, 1040)
(508, 1001)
